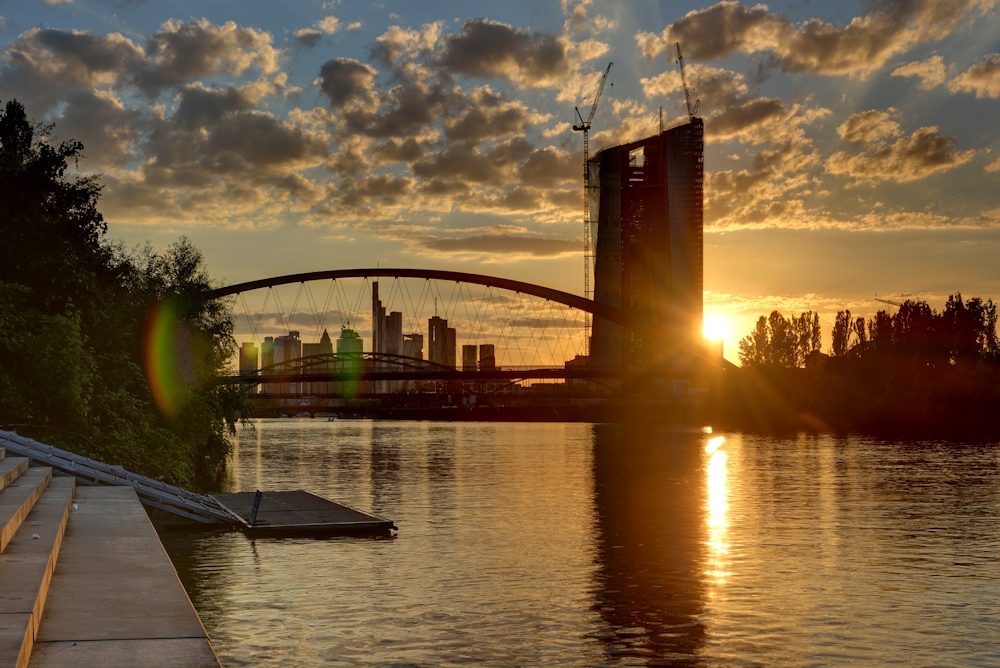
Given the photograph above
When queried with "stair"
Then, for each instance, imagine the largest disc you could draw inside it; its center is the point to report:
(110, 558)
(34, 509)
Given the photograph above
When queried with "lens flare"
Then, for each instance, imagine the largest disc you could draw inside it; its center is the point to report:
(169, 358)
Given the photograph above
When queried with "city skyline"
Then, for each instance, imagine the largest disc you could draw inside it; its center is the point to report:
(849, 147)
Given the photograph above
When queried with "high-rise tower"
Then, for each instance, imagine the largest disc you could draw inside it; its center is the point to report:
(649, 207)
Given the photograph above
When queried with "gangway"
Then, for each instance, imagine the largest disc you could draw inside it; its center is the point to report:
(280, 513)
(152, 492)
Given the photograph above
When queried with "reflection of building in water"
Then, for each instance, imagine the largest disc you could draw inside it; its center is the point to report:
(649, 211)
(649, 496)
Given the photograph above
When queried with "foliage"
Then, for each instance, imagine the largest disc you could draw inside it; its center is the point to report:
(73, 312)
(917, 371)
(781, 342)
(965, 332)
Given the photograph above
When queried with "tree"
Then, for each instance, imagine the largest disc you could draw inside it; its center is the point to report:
(777, 341)
(842, 327)
(73, 314)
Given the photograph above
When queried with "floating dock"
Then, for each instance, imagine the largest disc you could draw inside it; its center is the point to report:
(301, 512)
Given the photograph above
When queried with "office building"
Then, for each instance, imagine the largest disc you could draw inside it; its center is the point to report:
(648, 205)
(324, 347)
(266, 360)
(487, 357)
(413, 346)
(249, 362)
(470, 358)
(288, 349)
(441, 341)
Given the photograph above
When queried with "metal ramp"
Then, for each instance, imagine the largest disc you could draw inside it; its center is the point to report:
(153, 493)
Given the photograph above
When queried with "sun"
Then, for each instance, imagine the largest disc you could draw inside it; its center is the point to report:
(715, 327)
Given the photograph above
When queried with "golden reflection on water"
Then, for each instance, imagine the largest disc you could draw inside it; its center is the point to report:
(717, 521)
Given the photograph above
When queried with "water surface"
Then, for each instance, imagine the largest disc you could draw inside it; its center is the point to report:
(577, 544)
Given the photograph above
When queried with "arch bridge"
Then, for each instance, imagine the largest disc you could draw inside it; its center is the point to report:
(539, 334)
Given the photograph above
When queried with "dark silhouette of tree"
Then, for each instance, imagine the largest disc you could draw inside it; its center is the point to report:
(73, 309)
(781, 342)
(842, 328)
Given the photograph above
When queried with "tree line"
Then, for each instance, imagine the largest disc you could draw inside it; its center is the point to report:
(916, 371)
(74, 309)
(965, 331)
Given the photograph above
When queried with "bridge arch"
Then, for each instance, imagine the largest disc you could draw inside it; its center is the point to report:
(611, 313)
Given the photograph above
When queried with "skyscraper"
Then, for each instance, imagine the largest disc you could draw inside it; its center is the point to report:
(286, 350)
(248, 362)
(441, 340)
(487, 357)
(649, 258)
(470, 358)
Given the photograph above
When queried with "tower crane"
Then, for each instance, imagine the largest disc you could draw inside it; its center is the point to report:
(584, 127)
(692, 112)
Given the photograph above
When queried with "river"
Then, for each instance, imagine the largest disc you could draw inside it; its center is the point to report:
(580, 544)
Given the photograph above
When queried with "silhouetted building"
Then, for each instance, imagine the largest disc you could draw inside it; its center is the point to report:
(487, 357)
(249, 362)
(413, 346)
(649, 259)
(470, 358)
(266, 360)
(287, 349)
(350, 348)
(441, 341)
(387, 337)
(324, 347)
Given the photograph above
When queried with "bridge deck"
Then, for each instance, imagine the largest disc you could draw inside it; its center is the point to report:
(305, 512)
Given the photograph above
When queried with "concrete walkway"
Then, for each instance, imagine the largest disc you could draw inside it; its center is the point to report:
(115, 599)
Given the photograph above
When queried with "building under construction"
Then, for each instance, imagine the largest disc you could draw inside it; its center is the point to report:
(647, 199)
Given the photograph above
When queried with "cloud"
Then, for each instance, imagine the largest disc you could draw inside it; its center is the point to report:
(578, 18)
(509, 245)
(923, 153)
(489, 115)
(993, 166)
(496, 50)
(930, 72)
(181, 52)
(354, 25)
(726, 101)
(396, 42)
(308, 37)
(983, 78)
(41, 59)
(53, 3)
(459, 161)
(345, 80)
(869, 126)
(328, 25)
(549, 166)
(865, 44)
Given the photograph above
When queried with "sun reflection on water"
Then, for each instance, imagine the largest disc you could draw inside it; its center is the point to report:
(718, 505)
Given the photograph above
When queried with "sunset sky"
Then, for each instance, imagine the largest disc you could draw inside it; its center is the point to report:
(853, 148)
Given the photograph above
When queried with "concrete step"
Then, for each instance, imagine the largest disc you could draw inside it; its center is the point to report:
(26, 568)
(11, 468)
(115, 599)
(17, 500)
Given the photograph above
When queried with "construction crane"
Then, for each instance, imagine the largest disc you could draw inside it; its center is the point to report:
(584, 127)
(889, 301)
(692, 112)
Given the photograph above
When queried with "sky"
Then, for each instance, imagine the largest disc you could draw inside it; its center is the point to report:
(852, 148)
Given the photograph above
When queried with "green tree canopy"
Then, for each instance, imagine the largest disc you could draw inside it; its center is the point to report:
(74, 310)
